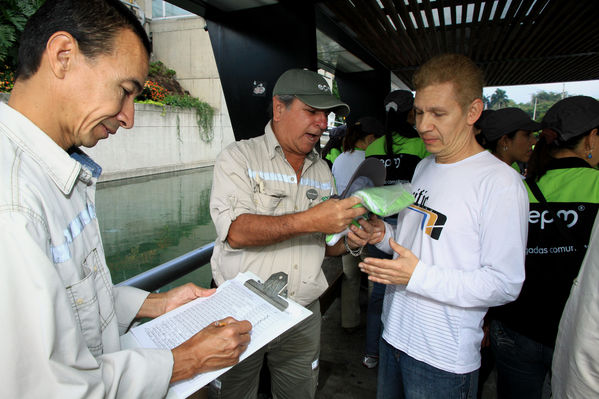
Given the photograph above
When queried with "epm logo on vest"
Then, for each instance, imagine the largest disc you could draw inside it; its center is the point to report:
(432, 221)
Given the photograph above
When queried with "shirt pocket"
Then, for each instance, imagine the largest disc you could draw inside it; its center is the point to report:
(84, 300)
(269, 202)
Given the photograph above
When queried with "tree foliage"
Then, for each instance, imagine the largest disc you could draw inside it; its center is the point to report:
(499, 99)
(544, 101)
(13, 17)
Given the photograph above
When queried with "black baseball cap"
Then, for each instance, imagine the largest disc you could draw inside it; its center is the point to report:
(399, 101)
(371, 125)
(506, 120)
(481, 119)
(310, 88)
(572, 116)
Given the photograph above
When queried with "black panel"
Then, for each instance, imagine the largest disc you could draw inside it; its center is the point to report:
(364, 92)
(256, 46)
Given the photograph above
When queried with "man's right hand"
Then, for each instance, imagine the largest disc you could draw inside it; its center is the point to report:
(216, 346)
(334, 215)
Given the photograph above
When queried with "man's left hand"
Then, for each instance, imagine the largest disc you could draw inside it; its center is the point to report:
(370, 231)
(391, 271)
(184, 293)
(157, 304)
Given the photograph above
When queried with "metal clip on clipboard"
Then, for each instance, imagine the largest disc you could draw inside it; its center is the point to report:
(270, 289)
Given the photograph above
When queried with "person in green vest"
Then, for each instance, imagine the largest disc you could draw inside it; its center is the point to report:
(563, 189)
(357, 138)
(400, 149)
(333, 148)
(508, 134)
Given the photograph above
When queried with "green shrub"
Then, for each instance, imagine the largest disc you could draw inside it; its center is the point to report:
(7, 80)
(13, 17)
(157, 68)
(204, 112)
(152, 91)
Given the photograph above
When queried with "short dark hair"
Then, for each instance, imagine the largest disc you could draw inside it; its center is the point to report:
(491, 145)
(544, 152)
(93, 23)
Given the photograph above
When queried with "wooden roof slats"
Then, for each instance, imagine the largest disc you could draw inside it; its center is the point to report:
(368, 38)
(409, 56)
(575, 36)
(519, 26)
(418, 39)
(519, 48)
(433, 29)
(393, 34)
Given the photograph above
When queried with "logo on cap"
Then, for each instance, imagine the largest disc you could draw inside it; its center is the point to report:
(323, 87)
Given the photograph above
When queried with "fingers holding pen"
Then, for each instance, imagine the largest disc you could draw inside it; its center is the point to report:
(216, 346)
(238, 332)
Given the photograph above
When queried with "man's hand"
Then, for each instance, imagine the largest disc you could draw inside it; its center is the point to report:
(370, 231)
(334, 215)
(216, 346)
(391, 271)
(157, 304)
(185, 293)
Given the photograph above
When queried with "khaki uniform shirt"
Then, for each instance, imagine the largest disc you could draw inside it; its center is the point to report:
(61, 315)
(253, 176)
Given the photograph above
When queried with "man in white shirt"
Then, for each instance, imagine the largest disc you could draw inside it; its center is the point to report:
(458, 250)
(81, 64)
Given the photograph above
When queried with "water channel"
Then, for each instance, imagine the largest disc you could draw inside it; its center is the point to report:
(150, 220)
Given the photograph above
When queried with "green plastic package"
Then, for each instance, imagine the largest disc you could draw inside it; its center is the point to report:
(386, 200)
(383, 201)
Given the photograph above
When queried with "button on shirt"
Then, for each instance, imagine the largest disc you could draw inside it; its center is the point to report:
(62, 316)
(253, 176)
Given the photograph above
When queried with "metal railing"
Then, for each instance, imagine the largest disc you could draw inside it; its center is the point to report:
(163, 274)
(168, 272)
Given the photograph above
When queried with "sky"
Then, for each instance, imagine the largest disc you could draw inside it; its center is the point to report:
(523, 93)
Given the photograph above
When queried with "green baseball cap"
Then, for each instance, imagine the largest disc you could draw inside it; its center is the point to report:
(310, 88)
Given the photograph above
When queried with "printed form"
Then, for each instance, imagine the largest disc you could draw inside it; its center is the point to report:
(233, 299)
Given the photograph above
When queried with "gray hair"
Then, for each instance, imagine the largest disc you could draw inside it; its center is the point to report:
(286, 99)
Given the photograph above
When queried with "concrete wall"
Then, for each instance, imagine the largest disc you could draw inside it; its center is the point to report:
(155, 144)
(161, 141)
(183, 45)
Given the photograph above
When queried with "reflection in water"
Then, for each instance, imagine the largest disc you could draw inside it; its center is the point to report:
(148, 221)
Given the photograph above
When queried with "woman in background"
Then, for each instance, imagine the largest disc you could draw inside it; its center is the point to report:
(563, 189)
(508, 134)
(358, 136)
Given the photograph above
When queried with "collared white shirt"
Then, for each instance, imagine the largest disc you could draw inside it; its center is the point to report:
(62, 315)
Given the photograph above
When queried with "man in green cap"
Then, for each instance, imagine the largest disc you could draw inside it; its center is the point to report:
(270, 211)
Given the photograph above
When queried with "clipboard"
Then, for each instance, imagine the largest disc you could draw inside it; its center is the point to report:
(243, 298)
(271, 290)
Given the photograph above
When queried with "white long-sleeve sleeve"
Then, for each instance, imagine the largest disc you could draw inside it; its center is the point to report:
(43, 352)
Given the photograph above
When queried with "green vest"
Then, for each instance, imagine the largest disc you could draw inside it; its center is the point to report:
(399, 165)
(333, 154)
(558, 234)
